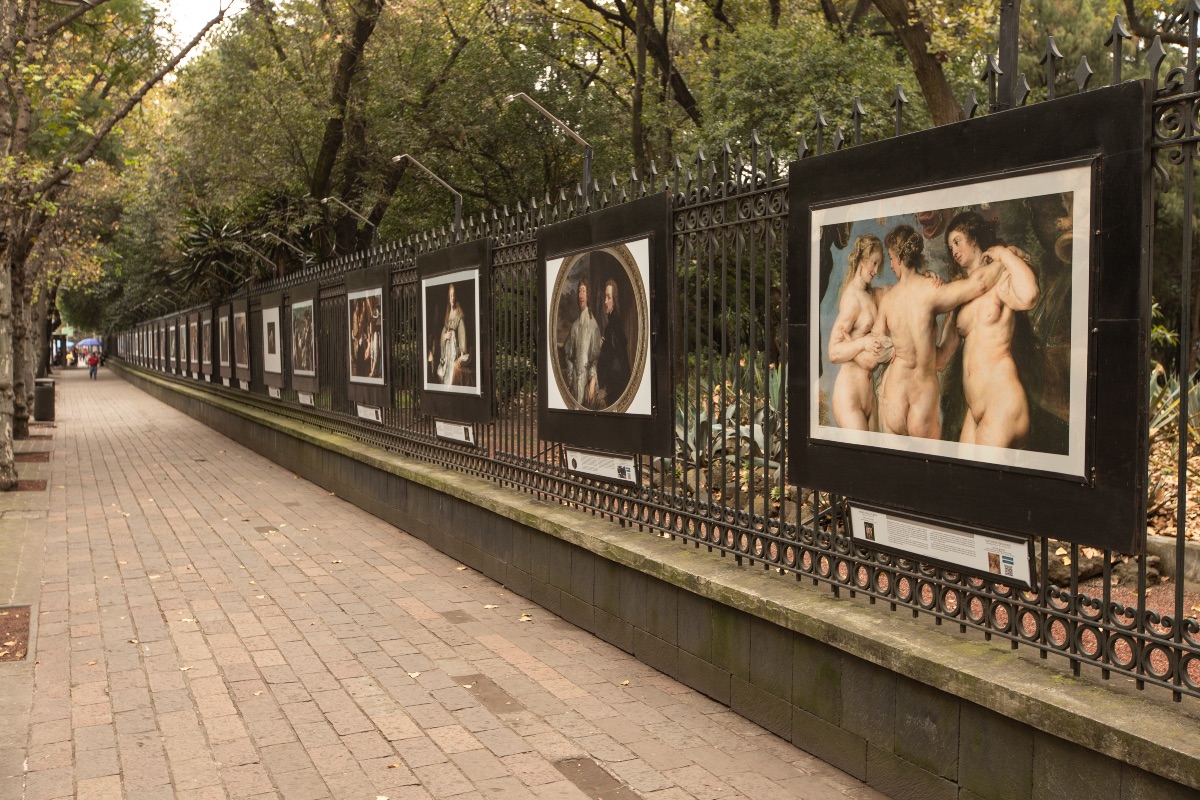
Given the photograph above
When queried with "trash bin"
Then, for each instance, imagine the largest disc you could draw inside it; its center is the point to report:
(43, 400)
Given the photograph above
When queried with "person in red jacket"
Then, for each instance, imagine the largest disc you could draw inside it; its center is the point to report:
(93, 363)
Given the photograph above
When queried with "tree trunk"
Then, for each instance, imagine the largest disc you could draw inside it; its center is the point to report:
(639, 90)
(8, 466)
(911, 32)
(19, 314)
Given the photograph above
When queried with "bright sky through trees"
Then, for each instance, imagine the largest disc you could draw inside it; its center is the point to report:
(189, 16)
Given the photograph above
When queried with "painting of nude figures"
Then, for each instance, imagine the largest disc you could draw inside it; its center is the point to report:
(953, 321)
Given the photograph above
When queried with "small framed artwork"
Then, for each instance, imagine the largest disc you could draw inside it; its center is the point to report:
(455, 325)
(206, 343)
(303, 337)
(194, 344)
(367, 335)
(223, 340)
(241, 341)
(978, 321)
(605, 329)
(272, 340)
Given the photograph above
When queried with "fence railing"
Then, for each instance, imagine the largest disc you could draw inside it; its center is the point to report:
(727, 487)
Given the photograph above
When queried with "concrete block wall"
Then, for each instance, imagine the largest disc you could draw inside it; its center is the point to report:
(908, 708)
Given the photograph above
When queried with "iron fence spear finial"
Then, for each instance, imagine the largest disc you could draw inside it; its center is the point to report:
(1083, 74)
(1051, 57)
(1154, 59)
(820, 126)
(972, 104)
(1021, 93)
(991, 74)
(1116, 36)
(857, 112)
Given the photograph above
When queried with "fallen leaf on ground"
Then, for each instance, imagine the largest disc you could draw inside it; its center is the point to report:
(393, 766)
(413, 674)
(460, 569)
(336, 561)
(186, 619)
(256, 694)
(133, 641)
(184, 669)
(91, 663)
(491, 606)
(253, 581)
(9, 644)
(525, 618)
(624, 683)
(468, 686)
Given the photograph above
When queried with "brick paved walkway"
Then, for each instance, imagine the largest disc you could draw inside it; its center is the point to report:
(211, 626)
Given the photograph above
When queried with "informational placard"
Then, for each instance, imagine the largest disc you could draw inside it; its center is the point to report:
(613, 467)
(454, 431)
(305, 398)
(1008, 559)
(372, 413)
(274, 391)
(227, 382)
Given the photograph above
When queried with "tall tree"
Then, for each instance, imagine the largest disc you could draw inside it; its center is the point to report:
(69, 74)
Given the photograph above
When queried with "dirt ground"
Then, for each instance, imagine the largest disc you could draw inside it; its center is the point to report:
(1161, 503)
(14, 633)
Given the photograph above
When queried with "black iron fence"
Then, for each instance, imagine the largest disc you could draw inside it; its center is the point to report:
(727, 488)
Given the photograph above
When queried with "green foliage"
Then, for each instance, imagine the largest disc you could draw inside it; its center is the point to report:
(775, 80)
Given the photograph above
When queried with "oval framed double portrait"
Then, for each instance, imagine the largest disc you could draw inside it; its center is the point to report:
(599, 324)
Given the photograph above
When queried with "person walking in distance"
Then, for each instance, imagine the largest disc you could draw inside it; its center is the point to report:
(93, 363)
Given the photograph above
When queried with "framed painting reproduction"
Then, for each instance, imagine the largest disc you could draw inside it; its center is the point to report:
(455, 330)
(194, 344)
(240, 340)
(206, 343)
(366, 310)
(224, 352)
(272, 340)
(969, 309)
(604, 316)
(302, 326)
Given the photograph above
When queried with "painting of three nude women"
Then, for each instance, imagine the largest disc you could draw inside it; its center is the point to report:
(953, 321)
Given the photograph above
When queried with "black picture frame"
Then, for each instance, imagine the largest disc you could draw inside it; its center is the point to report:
(272, 339)
(1103, 505)
(462, 393)
(645, 424)
(193, 354)
(223, 335)
(301, 326)
(239, 341)
(206, 344)
(368, 375)
(178, 345)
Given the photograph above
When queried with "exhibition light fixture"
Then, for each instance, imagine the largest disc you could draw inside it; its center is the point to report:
(374, 228)
(587, 148)
(305, 257)
(457, 196)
